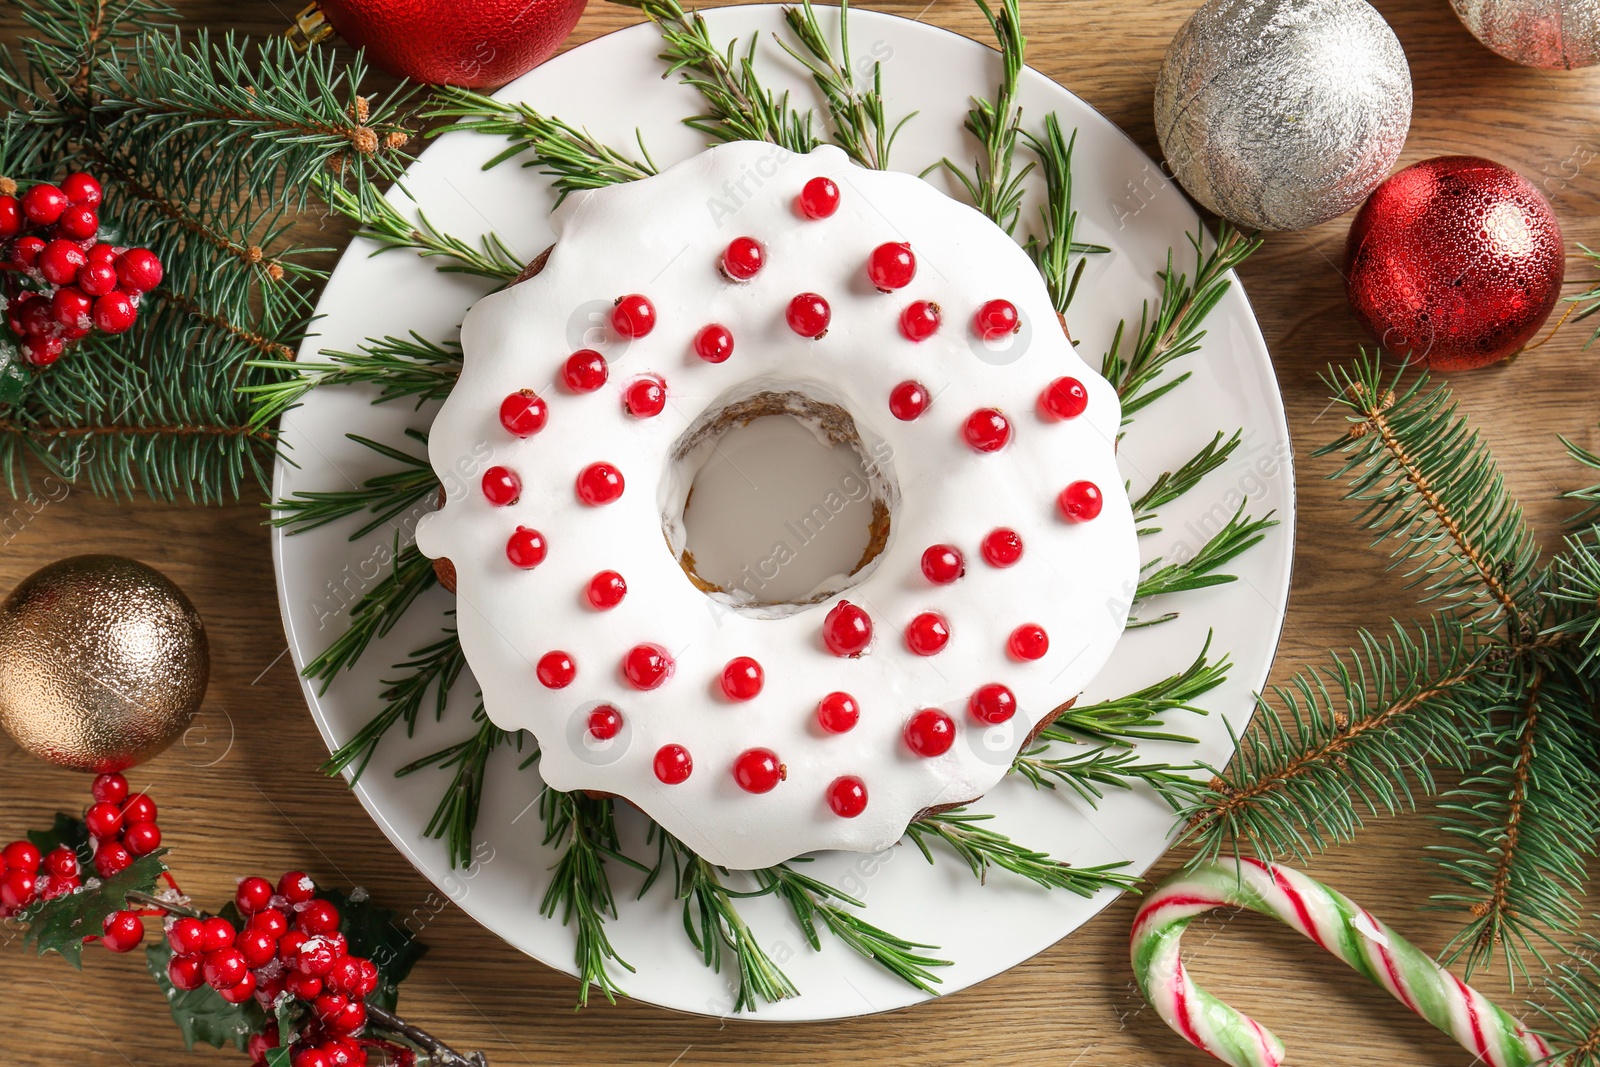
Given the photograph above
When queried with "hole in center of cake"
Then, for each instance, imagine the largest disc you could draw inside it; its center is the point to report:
(774, 501)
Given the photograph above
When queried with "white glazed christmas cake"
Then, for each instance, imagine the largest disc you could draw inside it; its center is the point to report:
(745, 282)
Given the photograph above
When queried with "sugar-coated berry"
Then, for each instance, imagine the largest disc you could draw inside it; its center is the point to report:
(59, 262)
(343, 1053)
(743, 258)
(328, 1003)
(1080, 501)
(524, 413)
(908, 400)
(139, 270)
(647, 666)
(26, 250)
(920, 320)
(10, 216)
(41, 351)
(302, 985)
(847, 629)
(742, 679)
(600, 484)
(633, 315)
(316, 957)
(345, 977)
(289, 945)
(271, 922)
(758, 770)
(714, 343)
(225, 968)
(22, 856)
(97, 279)
(369, 977)
(993, 704)
(986, 430)
(526, 548)
(43, 204)
(114, 312)
(111, 859)
(606, 590)
(673, 764)
(296, 887)
(501, 486)
(847, 796)
(943, 564)
(101, 252)
(61, 863)
(184, 971)
(808, 315)
(1064, 398)
(81, 188)
(646, 397)
(349, 1019)
(1002, 547)
(928, 633)
(78, 222)
(186, 936)
(585, 371)
(996, 319)
(142, 838)
(819, 198)
(138, 808)
(930, 732)
(17, 889)
(70, 306)
(243, 991)
(257, 948)
(556, 670)
(605, 722)
(317, 918)
(1028, 641)
(253, 895)
(216, 933)
(892, 266)
(838, 713)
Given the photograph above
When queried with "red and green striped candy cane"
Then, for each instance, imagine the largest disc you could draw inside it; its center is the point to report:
(1335, 923)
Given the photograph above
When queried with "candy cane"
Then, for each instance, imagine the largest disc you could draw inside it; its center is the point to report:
(1333, 922)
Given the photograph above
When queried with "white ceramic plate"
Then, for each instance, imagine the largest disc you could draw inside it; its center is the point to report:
(611, 86)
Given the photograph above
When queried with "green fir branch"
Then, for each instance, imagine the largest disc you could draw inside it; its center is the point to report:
(579, 892)
(1574, 1017)
(1238, 535)
(383, 496)
(859, 123)
(1142, 715)
(1170, 485)
(995, 184)
(433, 668)
(984, 849)
(400, 368)
(376, 613)
(1589, 495)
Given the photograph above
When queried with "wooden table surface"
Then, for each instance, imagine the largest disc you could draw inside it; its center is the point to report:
(264, 807)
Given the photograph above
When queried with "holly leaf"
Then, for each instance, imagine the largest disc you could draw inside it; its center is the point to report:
(202, 1014)
(60, 925)
(374, 933)
(67, 831)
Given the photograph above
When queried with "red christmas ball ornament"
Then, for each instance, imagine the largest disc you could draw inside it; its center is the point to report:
(472, 43)
(1455, 262)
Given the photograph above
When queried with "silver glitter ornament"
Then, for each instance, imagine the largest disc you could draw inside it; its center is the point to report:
(1536, 33)
(1280, 114)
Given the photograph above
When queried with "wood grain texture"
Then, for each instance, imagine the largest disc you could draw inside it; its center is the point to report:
(242, 795)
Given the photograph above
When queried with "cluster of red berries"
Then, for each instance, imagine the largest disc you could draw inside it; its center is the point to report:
(62, 282)
(289, 942)
(27, 875)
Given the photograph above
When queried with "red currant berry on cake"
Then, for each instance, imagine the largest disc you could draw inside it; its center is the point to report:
(1080, 501)
(114, 312)
(297, 887)
(17, 889)
(78, 222)
(185, 972)
(891, 266)
(673, 764)
(605, 722)
(847, 796)
(992, 704)
(81, 188)
(757, 770)
(930, 732)
(808, 315)
(647, 666)
(996, 319)
(1064, 398)
(501, 486)
(908, 400)
(253, 895)
(920, 320)
(928, 633)
(142, 838)
(43, 204)
(524, 413)
(121, 931)
(138, 270)
(97, 279)
(526, 548)
(599, 484)
(1002, 547)
(646, 397)
(1028, 641)
(10, 216)
(819, 198)
(847, 629)
(111, 859)
(838, 713)
(714, 343)
(743, 258)
(986, 430)
(556, 670)
(742, 679)
(633, 315)
(607, 589)
(943, 564)
(60, 261)
(22, 856)
(585, 371)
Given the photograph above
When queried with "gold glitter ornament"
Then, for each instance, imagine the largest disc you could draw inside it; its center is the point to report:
(103, 663)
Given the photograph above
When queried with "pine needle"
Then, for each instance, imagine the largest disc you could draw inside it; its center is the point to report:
(376, 613)
(383, 496)
(1055, 252)
(1171, 485)
(455, 820)
(401, 368)
(1089, 770)
(1141, 716)
(1237, 536)
(984, 849)
(434, 668)
(995, 184)
(383, 224)
(579, 892)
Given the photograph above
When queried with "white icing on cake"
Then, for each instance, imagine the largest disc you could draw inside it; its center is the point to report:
(664, 237)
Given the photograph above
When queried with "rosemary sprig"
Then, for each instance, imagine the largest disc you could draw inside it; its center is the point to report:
(1141, 716)
(995, 184)
(456, 817)
(859, 125)
(1057, 256)
(569, 154)
(401, 368)
(1237, 535)
(580, 890)
(738, 107)
(811, 900)
(383, 496)
(435, 667)
(1170, 485)
(383, 224)
(376, 613)
(1086, 771)
(983, 849)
